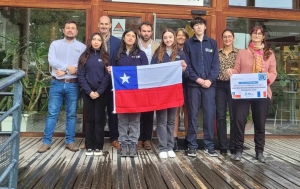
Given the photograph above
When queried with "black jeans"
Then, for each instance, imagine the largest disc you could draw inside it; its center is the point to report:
(223, 98)
(146, 126)
(240, 110)
(112, 118)
(95, 121)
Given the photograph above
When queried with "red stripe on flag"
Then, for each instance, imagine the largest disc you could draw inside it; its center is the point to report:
(143, 100)
(265, 93)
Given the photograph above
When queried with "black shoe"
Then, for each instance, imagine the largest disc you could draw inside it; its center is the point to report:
(212, 152)
(176, 144)
(223, 152)
(191, 152)
(238, 156)
(232, 151)
(123, 150)
(260, 157)
(186, 143)
(132, 150)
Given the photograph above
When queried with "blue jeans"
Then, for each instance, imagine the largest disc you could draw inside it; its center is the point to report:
(206, 97)
(61, 92)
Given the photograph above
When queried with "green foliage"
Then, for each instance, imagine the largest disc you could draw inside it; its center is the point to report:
(33, 87)
(13, 49)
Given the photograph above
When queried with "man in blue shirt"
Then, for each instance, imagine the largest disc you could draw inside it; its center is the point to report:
(202, 71)
(63, 58)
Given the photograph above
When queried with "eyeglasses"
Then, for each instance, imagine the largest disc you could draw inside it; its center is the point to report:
(227, 36)
(257, 34)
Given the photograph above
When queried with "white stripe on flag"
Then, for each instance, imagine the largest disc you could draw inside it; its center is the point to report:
(159, 75)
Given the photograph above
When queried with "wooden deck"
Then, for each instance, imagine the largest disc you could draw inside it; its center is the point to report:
(60, 168)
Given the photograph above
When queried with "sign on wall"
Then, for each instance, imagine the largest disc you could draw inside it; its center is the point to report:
(166, 2)
(118, 27)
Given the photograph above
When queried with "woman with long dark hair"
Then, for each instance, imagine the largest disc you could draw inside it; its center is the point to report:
(167, 51)
(129, 54)
(257, 58)
(94, 79)
(227, 56)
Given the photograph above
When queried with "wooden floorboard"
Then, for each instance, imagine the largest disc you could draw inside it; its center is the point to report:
(61, 168)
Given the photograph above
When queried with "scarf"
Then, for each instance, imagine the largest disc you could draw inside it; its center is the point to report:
(106, 38)
(257, 52)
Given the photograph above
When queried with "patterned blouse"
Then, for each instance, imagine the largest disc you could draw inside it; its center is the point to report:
(226, 62)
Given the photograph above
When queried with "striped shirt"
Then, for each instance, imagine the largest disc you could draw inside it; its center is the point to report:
(63, 54)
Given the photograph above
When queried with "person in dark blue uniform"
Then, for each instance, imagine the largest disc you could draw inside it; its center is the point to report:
(202, 71)
(129, 54)
(94, 80)
(167, 51)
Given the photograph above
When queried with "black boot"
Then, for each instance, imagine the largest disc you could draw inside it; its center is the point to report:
(176, 144)
(260, 157)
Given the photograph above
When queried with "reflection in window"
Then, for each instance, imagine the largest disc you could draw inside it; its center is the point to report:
(25, 37)
(281, 4)
(284, 38)
(163, 23)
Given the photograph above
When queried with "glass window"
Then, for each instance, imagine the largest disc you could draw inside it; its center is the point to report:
(25, 37)
(284, 39)
(281, 4)
(163, 23)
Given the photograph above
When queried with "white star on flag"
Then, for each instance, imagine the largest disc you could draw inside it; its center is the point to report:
(125, 78)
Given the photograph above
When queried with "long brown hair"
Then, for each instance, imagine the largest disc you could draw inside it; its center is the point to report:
(86, 54)
(267, 51)
(135, 50)
(161, 50)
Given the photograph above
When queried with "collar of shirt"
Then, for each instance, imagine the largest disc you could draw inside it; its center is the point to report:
(148, 50)
(235, 50)
(148, 47)
(205, 38)
(65, 40)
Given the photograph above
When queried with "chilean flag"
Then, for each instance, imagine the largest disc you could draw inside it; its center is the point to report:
(147, 88)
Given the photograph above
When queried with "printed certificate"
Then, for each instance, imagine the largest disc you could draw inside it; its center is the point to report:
(252, 85)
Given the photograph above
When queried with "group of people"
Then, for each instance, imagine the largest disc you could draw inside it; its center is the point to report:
(206, 75)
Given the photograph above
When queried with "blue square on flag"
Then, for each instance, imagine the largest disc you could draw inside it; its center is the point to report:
(125, 77)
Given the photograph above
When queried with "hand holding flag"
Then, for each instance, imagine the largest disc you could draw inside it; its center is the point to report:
(147, 88)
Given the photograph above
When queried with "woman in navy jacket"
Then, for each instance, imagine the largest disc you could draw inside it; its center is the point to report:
(167, 51)
(94, 79)
(129, 54)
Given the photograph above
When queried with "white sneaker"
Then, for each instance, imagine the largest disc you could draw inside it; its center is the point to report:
(98, 152)
(171, 154)
(89, 152)
(163, 155)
